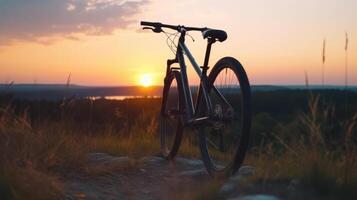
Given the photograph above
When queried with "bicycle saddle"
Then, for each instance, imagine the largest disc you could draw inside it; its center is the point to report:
(215, 34)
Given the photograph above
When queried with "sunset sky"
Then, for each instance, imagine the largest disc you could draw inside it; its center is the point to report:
(100, 42)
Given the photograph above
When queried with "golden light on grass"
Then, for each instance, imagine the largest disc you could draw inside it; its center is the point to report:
(146, 80)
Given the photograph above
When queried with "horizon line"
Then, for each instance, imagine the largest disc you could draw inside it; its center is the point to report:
(136, 85)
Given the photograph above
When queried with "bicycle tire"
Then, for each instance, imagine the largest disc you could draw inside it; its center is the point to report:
(169, 151)
(238, 151)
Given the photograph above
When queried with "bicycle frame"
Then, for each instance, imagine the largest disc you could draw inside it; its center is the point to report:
(215, 114)
(192, 112)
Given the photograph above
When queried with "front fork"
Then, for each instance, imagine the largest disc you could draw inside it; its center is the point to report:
(168, 71)
(202, 94)
(168, 66)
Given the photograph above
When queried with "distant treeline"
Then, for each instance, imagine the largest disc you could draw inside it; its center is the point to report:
(59, 91)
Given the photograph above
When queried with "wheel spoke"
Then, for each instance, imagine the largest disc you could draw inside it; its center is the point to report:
(223, 135)
(212, 143)
(221, 96)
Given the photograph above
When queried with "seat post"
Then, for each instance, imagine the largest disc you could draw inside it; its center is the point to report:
(207, 55)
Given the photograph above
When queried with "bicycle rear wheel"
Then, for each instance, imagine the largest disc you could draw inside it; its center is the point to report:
(170, 122)
(224, 141)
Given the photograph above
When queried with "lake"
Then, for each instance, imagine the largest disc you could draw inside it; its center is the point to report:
(122, 97)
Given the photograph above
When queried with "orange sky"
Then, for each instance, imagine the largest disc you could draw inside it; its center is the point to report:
(276, 41)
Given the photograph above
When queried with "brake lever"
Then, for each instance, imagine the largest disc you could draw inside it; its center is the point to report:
(156, 29)
(148, 28)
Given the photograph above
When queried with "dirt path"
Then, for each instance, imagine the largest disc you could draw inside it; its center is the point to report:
(152, 177)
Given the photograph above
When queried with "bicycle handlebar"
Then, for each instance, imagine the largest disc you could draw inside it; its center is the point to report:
(158, 26)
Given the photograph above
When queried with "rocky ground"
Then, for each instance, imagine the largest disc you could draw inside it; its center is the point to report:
(109, 177)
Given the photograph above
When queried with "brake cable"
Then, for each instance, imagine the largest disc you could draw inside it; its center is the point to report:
(171, 41)
(193, 39)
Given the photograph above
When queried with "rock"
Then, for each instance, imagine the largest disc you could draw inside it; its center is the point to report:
(145, 191)
(189, 162)
(92, 189)
(155, 160)
(294, 183)
(109, 178)
(227, 188)
(242, 173)
(246, 170)
(103, 159)
(194, 173)
(232, 183)
(120, 160)
(80, 196)
(256, 197)
(293, 189)
(98, 157)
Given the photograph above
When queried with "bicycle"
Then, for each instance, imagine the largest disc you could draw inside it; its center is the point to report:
(221, 113)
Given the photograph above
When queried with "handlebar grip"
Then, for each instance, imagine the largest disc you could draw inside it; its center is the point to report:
(154, 24)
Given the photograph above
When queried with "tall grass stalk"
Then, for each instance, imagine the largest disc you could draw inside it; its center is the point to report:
(326, 170)
(30, 157)
(346, 72)
(323, 63)
(346, 61)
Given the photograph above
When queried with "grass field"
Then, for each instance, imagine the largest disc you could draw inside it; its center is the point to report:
(314, 141)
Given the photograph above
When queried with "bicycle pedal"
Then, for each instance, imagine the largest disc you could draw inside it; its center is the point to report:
(198, 121)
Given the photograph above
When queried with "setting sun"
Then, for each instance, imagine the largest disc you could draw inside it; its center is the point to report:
(146, 80)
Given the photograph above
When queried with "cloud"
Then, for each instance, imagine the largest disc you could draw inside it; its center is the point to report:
(41, 20)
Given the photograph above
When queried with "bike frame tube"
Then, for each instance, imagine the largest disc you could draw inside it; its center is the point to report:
(186, 89)
(192, 111)
(203, 77)
(191, 58)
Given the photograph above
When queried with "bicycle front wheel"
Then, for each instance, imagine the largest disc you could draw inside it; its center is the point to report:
(170, 122)
(223, 143)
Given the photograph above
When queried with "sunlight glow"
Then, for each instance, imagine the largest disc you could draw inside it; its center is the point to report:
(146, 80)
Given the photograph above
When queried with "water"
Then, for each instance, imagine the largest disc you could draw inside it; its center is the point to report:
(120, 97)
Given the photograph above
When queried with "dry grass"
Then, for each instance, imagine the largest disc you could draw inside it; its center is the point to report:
(30, 183)
(326, 171)
(139, 141)
(33, 158)
(189, 145)
(30, 159)
(207, 191)
(116, 144)
(323, 170)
